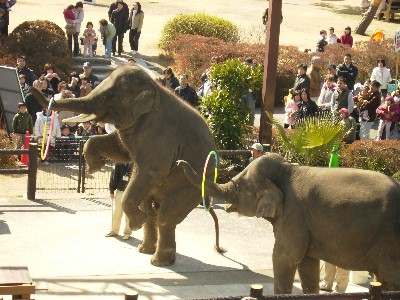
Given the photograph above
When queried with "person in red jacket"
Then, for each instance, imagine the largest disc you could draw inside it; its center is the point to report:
(346, 38)
(389, 112)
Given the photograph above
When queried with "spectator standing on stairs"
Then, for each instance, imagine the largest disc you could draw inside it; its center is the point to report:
(107, 30)
(135, 24)
(87, 73)
(119, 18)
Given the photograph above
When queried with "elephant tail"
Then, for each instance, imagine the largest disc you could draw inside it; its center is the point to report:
(215, 218)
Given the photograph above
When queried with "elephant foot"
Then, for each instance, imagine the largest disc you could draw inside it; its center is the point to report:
(147, 249)
(163, 260)
(137, 219)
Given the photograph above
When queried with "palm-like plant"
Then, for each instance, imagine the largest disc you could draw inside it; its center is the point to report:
(311, 141)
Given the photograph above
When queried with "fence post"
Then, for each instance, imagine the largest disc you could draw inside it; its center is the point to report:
(80, 165)
(256, 291)
(132, 295)
(83, 173)
(32, 171)
(375, 290)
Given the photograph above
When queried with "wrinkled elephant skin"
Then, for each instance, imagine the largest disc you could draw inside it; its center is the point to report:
(154, 129)
(347, 217)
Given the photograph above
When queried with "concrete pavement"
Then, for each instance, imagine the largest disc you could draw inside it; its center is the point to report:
(60, 237)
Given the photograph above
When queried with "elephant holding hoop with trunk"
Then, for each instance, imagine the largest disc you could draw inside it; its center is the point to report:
(347, 217)
(154, 130)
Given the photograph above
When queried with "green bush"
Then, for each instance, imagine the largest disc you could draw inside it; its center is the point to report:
(226, 115)
(310, 142)
(41, 42)
(380, 156)
(198, 24)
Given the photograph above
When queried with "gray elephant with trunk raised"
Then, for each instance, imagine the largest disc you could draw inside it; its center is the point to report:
(348, 217)
(154, 129)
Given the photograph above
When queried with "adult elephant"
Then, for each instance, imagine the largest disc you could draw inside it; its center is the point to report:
(348, 217)
(154, 129)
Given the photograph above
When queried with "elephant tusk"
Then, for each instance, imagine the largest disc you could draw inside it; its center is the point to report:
(81, 118)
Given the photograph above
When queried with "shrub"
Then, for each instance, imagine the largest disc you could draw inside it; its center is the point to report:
(310, 142)
(7, 161)
(41, 42)
(380, 156)
(198, 24)
(224, 110)
(192, 54)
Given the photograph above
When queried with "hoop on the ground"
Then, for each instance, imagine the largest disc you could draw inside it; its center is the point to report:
(204, 177)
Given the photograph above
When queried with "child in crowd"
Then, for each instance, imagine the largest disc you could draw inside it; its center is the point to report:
(69, 13)
(89, 35)
(22, 122)
(321, 42)
(389, 112)
(66, 131)
(362, 99)
(85, 129)
(291, 110)
(349, 125)
(86, 87)
(22, 83)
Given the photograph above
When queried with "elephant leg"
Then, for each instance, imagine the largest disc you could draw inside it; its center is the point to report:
(136, 192)
(284, 272)
(309, 275)
(104, 146)
(166, 246)
(150, 232)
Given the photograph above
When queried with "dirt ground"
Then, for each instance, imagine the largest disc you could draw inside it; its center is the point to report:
(302, 20)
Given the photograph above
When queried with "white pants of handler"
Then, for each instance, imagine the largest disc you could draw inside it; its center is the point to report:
(342, 278)
(117, 215)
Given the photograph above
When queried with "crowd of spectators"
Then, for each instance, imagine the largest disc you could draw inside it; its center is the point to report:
(336, 92)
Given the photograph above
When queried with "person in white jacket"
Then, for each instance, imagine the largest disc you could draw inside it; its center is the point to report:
(40, 123)
(382, 75)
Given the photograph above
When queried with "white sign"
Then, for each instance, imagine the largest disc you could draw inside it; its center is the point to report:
(89, 1)
(397, 40)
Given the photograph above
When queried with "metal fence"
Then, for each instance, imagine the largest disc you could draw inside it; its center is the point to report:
(64, 168)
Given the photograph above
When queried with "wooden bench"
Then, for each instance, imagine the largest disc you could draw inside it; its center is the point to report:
(16, 281)
(392, 8)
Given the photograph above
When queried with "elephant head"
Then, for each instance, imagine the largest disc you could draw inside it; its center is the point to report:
(250, 193)
(121, 99)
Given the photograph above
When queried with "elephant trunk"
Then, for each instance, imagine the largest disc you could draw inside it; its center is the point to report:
(77, 105)
(224, 192)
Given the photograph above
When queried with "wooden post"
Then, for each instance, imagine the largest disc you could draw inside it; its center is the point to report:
(256, 291)
(270, 68)
(32, 171)
(375, 290)
(131, 295)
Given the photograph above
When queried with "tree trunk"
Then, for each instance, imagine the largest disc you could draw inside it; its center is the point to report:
(368, 17)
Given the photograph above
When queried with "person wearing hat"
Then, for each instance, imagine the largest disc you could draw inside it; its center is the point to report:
(346, 38)
(332, 71)
(350, 126)
(87, 73)
(388, 112)
(332, 38)
(302, 81)
(5, 6)
(256, 152)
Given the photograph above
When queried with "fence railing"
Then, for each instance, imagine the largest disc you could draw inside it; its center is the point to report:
(32, 167)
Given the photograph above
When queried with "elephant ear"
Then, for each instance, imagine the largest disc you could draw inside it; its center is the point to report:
(270, 201)
(146, 101)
